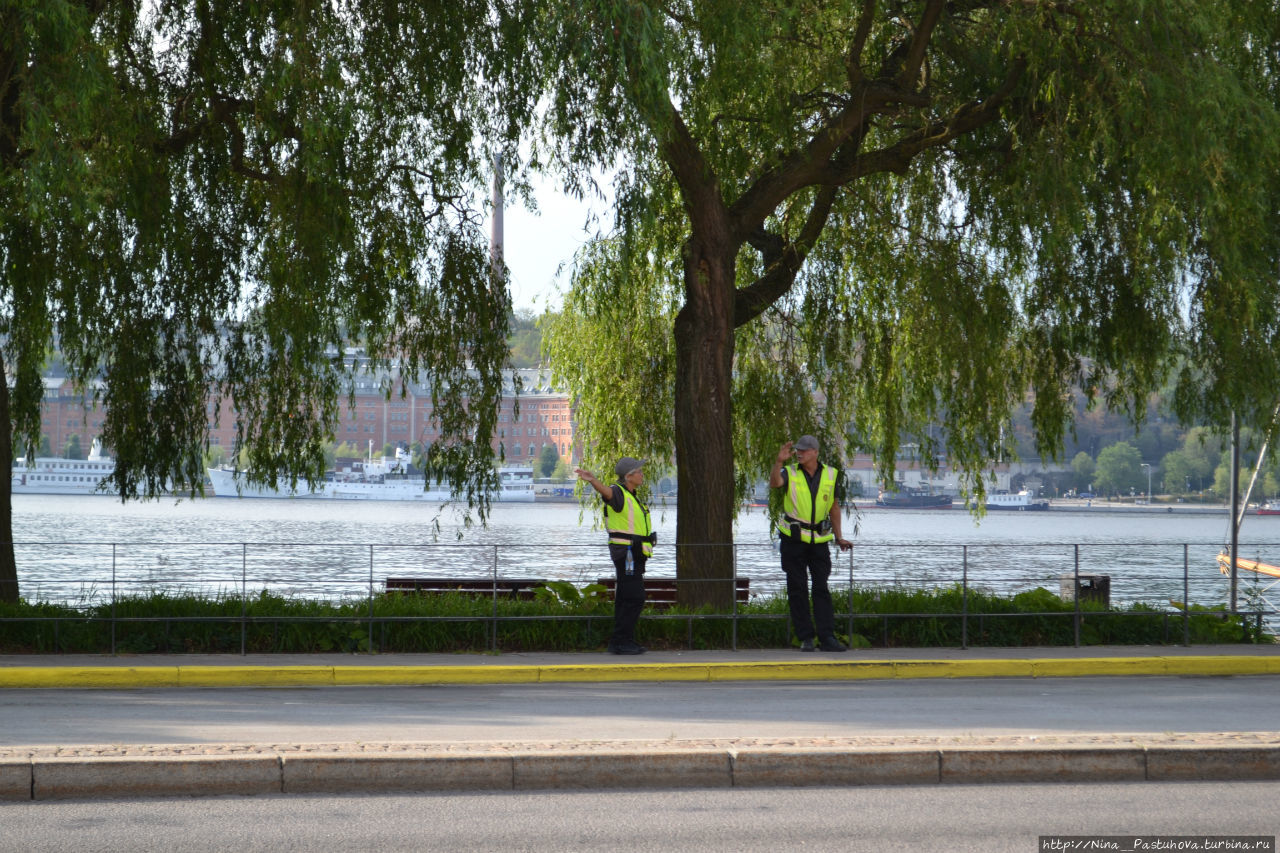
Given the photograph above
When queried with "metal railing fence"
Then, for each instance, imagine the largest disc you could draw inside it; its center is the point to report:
(100, 581)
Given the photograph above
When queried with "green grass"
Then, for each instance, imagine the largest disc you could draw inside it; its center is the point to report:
(190, 624)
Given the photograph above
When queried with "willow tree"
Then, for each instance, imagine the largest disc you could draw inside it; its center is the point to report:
(214, 201)
(888, 222)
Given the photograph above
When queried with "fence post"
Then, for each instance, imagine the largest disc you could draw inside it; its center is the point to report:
(244, 597)
(964, 598)
(1186, 597)
(494, 622)
(733, 642)
(851, 596)
(371, 599)
(113, 599)
(1075, 595)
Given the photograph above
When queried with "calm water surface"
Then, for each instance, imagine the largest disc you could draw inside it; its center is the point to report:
(73, 548)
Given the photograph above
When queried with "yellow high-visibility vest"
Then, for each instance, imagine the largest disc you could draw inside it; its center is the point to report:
(800, 508)
(631, 525)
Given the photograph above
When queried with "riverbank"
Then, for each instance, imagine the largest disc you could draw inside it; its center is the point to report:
(1093, 505)
(1157, 508)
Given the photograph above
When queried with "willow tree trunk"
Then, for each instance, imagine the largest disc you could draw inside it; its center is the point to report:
(8, 565)
(704, 426)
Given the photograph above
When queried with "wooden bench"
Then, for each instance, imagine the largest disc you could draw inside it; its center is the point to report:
(661, 592)
(507, 587)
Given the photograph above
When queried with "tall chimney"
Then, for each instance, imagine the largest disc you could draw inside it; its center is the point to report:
(495, 227)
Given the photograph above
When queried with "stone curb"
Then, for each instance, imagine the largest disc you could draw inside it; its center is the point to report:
(131, 677)
(43, 777)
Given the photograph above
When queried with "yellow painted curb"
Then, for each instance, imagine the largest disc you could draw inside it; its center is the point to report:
(120, 677)
(255, 676)
(998, 668)
(1066, 667)
(624, 672)
(390, 675)
(63, 677)
(820, 670)
(1222, 665)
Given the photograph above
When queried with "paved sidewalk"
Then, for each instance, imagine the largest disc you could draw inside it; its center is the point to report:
(201, 769)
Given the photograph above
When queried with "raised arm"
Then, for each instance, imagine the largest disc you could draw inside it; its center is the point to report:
(605, 491)
(775, 475)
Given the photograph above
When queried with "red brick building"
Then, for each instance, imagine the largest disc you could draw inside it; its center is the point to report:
(545, 418)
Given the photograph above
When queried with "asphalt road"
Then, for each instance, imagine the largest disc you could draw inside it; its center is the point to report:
(638, 710)
(986, 818)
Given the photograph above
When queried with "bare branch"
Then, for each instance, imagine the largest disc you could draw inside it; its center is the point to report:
(919, 44)
(782, 262)
(897, 157)
(692, 172)
(853, 59)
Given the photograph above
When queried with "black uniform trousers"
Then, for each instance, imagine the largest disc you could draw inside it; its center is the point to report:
(800, 561)
(628, 596)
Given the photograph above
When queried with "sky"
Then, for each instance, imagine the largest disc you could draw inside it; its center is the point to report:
(537, 243)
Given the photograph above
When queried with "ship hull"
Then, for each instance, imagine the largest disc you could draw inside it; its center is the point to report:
(227, 484)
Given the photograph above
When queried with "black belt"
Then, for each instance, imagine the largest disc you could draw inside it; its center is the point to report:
(804, 525)
(636, 539)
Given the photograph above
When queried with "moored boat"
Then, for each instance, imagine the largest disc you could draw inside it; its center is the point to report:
(54, 475)
(1256, 566)
(1269, 508)
(908, 498)
(1023, 501)
(386, 479)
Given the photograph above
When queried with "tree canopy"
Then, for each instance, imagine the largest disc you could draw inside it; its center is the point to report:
(214, 200)
(860, 220)
(865, 219)
(1119, 469)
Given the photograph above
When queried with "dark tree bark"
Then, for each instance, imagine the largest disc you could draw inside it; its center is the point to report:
(704, 423)
(8, 564)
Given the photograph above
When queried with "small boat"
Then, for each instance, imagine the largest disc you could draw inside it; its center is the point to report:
(1269, 508)
(1256, 566)
(908, 498)
(390, 478)
(1023, 501)
(53, 475)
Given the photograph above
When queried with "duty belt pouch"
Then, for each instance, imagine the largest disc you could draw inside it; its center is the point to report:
(795, 530)
(825, 527)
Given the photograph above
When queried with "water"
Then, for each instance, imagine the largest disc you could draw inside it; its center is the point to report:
(83, 548)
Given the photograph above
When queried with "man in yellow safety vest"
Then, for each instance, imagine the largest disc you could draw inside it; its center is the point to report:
(631, 540)
(810, 519)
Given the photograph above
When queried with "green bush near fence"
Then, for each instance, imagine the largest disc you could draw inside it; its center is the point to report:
(457, 622)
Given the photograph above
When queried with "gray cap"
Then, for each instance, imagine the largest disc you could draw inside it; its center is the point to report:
(626, 465)
(806, 442)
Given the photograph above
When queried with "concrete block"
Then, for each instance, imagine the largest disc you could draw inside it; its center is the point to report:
(602, 672)
(1066, 764)
(15, 778)
(459, 674)
(255, 676)
(1076, 667)
(977, 668)
(802, 670)
(1212, 763)
(610, 770)
(775, 768)
(155, 776)
(79, 677)
(340, 774)
(1222, 664)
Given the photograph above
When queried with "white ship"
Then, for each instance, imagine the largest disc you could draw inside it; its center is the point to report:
(53, 475)
(385, 479)
(1024, 500)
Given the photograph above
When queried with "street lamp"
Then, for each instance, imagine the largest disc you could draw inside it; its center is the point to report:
(1147, 465)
